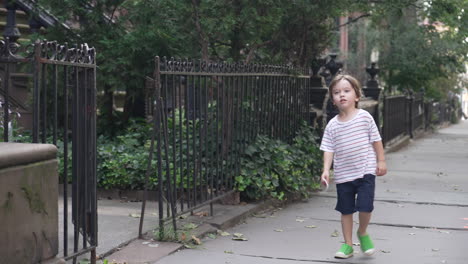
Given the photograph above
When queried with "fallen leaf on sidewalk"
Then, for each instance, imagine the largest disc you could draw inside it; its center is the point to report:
(279, 230)
(134, 215)
(201, 214)
(335, 234)
(385, 251)
(223, 233)
(260, 215)
(228, 252)
(196, 240)
(239, 237)
(311, 226)
(212, 236)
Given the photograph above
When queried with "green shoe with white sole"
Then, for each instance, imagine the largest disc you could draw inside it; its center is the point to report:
(346, 251)
(367, 246)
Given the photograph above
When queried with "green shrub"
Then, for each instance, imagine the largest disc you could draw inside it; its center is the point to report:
(122, 160)
(273, 169)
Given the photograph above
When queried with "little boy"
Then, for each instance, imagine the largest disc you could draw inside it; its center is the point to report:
(352, 142)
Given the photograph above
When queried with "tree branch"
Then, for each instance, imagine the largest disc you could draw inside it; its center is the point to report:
(254, 48)
(353, 20)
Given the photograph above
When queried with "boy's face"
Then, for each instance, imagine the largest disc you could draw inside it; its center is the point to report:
(344, 96)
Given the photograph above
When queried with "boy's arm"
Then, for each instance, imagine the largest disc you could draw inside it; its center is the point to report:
(381, 164)
(327, 162)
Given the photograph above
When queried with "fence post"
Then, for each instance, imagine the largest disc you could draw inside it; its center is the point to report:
(332, 68)
(318, 92)
(11, 29)
(372, 90)
(410, 113)
(423, 108)
(385, 119)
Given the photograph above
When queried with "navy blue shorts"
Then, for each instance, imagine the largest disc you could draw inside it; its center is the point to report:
(363, 188)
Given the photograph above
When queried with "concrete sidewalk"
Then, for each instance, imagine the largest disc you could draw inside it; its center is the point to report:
(421, 216)
(118, 222)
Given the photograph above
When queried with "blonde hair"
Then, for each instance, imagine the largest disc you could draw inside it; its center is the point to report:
(353, 81)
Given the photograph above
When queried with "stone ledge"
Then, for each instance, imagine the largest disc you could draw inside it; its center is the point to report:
(15, 154)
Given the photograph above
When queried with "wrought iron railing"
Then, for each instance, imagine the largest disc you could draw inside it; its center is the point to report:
(206, 114)
(64, 110)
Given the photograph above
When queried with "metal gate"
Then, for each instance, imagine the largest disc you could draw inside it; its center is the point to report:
(62, 81)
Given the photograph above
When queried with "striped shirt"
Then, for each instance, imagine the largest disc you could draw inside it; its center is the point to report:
(351, 142)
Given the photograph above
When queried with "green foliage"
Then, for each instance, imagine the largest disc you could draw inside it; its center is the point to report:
(421, 46)
(273, 169)
(127, 35)
(122, 161)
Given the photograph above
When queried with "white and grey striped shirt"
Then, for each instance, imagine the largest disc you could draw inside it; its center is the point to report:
(351, 142)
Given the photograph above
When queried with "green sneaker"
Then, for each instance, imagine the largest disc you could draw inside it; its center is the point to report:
(367, 246)
(346, 251)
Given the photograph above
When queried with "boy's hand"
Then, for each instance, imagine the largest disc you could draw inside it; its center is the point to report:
(381, 168)
(325, 178)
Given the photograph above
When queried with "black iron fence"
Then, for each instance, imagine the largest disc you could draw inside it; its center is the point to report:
(408, 115)
(62, 81)
(442, 112)
(395, 116)
(416, 113)
(205, 114)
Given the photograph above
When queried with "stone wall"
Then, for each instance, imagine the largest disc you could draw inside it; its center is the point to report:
(28, 203)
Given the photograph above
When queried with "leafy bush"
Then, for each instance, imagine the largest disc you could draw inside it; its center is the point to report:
(271, 168)
(122, 161)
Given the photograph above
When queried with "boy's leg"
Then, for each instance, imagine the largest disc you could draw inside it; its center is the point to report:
(347, 227)
(346, 250)
(364, 219)
(365, 206)
(346, 205)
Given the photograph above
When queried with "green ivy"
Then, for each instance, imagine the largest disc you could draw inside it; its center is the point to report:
(271, 168)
